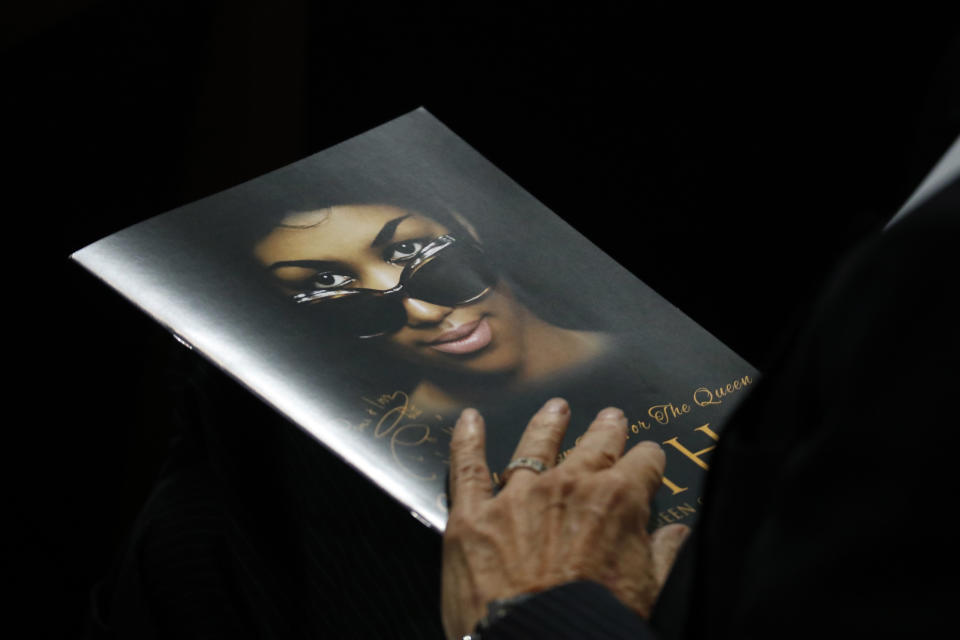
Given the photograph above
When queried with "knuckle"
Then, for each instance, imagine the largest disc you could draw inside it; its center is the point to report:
(566, 483)
(470, 470)
(608, 458)
(600, 458)
(557, 484)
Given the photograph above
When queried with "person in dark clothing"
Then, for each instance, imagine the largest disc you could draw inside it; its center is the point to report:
(825, 505)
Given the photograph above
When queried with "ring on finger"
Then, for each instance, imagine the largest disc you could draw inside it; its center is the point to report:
(523, 462)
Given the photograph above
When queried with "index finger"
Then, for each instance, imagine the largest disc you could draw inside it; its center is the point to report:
(469, 474)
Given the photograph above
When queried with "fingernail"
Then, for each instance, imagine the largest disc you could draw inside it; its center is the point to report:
(611, 413)
(556, 405)
(469, 417)
(650, 444)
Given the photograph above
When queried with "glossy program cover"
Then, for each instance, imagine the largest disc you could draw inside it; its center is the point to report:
(373, 290)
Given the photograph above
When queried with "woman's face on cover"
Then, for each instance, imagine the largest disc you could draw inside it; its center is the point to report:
(367, 246)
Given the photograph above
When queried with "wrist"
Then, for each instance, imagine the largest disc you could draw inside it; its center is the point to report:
(496, 609)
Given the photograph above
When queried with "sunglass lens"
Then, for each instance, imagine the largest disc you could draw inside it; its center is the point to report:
(364, 316)
(456, 275)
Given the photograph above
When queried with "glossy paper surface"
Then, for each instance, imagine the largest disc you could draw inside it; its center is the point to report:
(330, 290)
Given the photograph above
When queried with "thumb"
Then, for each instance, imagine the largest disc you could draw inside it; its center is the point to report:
(664, 545)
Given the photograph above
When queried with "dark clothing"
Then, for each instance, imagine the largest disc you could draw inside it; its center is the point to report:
(828, 502)
(254, 531)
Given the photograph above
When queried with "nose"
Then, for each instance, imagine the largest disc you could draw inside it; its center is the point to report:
(420, 313)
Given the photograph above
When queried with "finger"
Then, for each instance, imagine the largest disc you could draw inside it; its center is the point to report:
(644, 464)
(602, 444)
(542, 438)
(665, 543)
(469, 475)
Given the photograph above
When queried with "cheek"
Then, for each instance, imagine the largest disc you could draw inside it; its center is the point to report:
(506, 340)
(402, 344)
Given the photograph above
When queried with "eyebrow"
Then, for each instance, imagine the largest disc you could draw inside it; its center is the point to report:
(383, 237)
(386, 233)
(318, 265)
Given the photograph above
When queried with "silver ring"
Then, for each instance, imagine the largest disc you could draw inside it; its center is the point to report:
(522, 462)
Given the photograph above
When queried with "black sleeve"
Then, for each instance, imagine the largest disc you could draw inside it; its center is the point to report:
(826, 504)
(574, 610)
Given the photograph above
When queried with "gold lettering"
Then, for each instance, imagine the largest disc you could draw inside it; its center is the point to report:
(384, 399)
(662, 413)
(638, 425)
(673, 487)
(675, 514)
(703, 397)
(388, 421)
(391, 419)
(659, 413)
(396, 441)
(694, 455)
(708, 431)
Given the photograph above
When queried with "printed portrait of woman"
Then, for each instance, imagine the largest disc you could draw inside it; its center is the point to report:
(406, 302)
(371, 292)
(424, 289)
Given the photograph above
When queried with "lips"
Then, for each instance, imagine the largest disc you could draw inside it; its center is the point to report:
(466, 338)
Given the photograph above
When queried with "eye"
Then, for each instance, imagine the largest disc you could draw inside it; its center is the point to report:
(402, 252)
(330, 280)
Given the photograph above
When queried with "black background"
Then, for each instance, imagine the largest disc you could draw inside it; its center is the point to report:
(728, 157)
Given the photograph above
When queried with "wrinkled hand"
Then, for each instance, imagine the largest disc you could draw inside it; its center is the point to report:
(582, 520)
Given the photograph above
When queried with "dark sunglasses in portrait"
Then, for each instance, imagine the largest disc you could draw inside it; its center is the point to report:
(447, 272)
